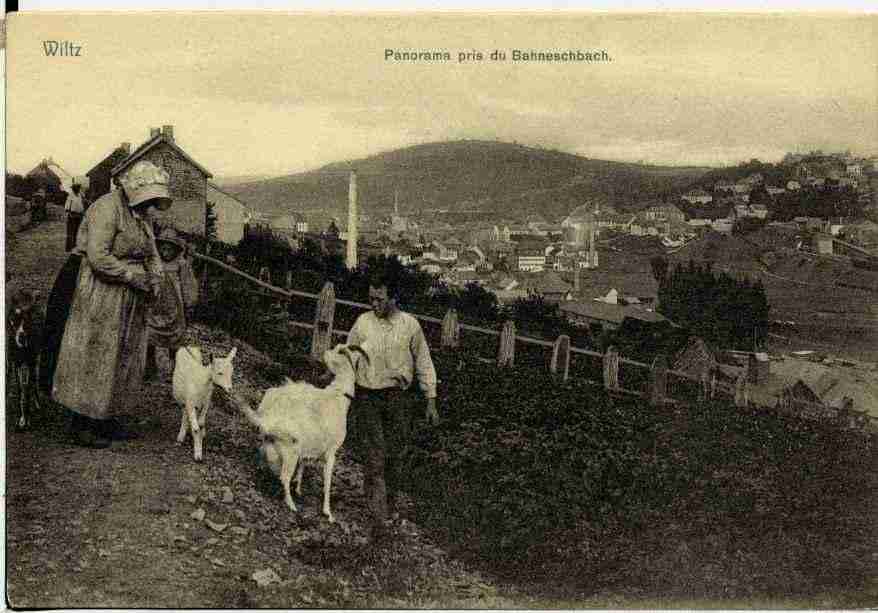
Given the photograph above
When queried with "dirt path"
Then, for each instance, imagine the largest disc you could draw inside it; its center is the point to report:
(115, 527)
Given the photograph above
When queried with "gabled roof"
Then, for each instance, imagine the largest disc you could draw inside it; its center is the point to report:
(152, 142)
(115, 157)
(551, 283)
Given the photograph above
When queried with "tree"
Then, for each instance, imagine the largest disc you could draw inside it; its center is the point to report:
(477, 302)
(210, 222)
(659, 265)
(718, 308)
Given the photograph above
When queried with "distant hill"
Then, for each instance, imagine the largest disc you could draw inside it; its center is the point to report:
(225, 181)
(503, 179)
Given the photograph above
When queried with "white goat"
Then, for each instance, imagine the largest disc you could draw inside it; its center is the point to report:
(299, 420)
(193, 390)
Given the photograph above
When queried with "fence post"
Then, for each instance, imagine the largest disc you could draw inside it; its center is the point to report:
(561, 357)
(321, 339)
(288, 280)
(265, 276)
(506, 353)
(742, 390)
(450, 330)
(706, 385)
(658, 380)
(611, 369)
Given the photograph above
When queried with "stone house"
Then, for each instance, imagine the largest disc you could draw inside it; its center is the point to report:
(188, 179)
(697, 196)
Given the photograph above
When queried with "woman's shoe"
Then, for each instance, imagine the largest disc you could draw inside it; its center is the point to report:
(87, 438)
(115, 431)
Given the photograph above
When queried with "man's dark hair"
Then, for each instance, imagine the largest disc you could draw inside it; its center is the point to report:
(385, 278)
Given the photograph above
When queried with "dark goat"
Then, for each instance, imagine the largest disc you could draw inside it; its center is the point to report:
(22, 348)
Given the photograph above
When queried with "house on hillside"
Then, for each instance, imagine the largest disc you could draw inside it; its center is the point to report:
(530, 259)
(599, 316)
(802, 379)
(46, 175)
(188, 179)
(552, 288)
(697, 196)
(759, 211)
(291, 223)
(467, 261)
(518, 230)
(99, 177)
(231, 215)
(663, 212)
(441, 252)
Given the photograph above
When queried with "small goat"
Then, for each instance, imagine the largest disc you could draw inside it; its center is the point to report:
(193, 390)
(298, 421)
(22, 348)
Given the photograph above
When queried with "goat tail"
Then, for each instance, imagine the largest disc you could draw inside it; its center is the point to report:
(246, 409)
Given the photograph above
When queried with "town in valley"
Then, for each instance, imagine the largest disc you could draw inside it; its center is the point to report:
(803, 227)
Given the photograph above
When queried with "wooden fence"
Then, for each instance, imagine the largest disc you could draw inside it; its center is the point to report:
(657, 392)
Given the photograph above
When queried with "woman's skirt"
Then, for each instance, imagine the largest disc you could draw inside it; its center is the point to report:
(57, 312)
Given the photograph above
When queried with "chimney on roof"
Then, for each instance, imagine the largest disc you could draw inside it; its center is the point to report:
(153, 132)
(168, 132)
(126, 147)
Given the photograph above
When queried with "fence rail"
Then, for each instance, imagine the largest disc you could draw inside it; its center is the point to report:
(657, 391)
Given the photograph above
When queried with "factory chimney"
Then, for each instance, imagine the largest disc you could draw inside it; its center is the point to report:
(353, 216)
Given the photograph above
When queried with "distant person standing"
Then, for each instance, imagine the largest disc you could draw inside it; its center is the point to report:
(38, 211)
(75, 208)
(385, 404)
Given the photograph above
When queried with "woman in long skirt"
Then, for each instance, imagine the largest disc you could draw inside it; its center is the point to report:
(103, 350)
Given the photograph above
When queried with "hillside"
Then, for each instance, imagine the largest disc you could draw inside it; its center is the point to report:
(508, 179)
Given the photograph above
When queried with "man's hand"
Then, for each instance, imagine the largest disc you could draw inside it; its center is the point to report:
(432, 414)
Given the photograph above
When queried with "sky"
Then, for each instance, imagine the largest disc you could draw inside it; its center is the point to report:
(273, 94)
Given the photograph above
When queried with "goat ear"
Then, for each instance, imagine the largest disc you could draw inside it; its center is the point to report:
(232, 353)
(359, 349)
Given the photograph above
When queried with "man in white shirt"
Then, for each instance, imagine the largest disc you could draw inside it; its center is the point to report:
(384, 396)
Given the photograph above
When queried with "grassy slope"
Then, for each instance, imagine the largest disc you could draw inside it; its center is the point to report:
(510, 180)
(595, 495)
